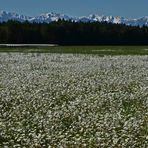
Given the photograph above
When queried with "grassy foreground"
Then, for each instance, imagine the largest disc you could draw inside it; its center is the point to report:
(73, 101)
(101, 50)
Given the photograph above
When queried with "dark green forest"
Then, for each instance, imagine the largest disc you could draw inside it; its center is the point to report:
(72, 33)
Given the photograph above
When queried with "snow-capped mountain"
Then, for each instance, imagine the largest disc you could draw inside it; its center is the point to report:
(102, 18)
(47, 18)
(50, 17)
(5, 16)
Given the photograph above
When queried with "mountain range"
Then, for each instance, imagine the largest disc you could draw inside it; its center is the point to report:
(50, 17)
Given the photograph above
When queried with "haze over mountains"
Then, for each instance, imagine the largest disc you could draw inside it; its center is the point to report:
(50, 17)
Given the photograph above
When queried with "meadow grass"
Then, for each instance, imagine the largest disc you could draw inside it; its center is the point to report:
(73, 100)
(100, 50)
(68, 96)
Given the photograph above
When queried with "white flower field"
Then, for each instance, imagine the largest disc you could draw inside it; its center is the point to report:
(73, 100)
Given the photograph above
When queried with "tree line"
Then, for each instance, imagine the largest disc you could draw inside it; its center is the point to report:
(72, 33)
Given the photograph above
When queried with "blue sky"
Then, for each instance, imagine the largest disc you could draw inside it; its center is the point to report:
(126, 8)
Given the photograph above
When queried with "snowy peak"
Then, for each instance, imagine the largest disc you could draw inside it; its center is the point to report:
(50, 17)
(103, 18)
(5, 16)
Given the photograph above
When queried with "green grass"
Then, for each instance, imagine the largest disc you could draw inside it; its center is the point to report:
(100, 50)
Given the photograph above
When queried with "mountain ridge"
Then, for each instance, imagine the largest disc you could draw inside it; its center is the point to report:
(50, 17)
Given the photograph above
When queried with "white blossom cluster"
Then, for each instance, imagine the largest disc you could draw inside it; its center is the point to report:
(72, 100)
